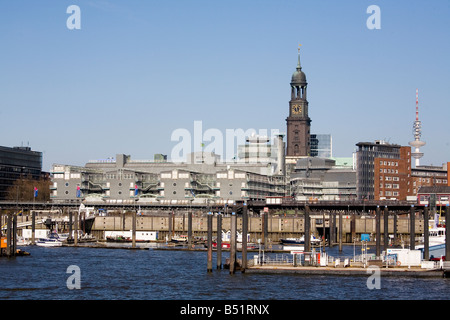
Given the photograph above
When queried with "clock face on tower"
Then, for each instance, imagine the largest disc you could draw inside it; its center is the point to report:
(296, 109)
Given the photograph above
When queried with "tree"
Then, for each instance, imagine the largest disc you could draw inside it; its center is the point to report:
(23, 189)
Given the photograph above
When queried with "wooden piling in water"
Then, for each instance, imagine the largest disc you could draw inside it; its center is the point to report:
(266, 230)
(14, 235)
(219, 241)
(378, 232)
(8, 235)
(307, 230)
(33, 227)
(447, 233)
(395, 228)
(412, 229)
(233, 243)
(340, 231)
(190, 230)
(386, 228)
(244, 238)
(426, 234)
(133, 230)
(209, 255)
(263, 228)
(170, 226)
(70, 224)
(75, 231)
(332, 229)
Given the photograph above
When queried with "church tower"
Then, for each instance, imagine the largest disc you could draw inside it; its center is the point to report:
(298, 121)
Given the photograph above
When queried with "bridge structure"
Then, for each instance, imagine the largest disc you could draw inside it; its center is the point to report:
(332, 211)
(256, 206)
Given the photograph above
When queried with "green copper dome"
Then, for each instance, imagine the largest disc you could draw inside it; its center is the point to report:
(298, 77)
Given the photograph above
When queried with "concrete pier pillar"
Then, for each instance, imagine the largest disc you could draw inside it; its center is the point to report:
(386, 228)
(426, 240)
(219, 241)
(412, 228)
(307, 230)
(378, 232)
(233, 243)
(209, 240)
(244, 237)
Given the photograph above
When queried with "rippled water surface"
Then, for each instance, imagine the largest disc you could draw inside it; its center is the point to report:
(173, 275)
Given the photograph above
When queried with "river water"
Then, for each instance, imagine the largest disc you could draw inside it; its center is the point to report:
(120, 274)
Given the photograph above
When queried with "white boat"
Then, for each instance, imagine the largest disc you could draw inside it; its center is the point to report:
(21, 241)
(300, 241)
(436, 243)
(51, 241)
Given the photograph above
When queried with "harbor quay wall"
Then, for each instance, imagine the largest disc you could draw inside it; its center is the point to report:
(278, 226)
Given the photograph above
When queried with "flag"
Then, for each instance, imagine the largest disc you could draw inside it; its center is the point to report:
(78, 192)
(35, 192)
(135, 190)
(192, 192)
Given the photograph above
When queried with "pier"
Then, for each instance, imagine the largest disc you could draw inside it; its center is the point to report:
(338, 224)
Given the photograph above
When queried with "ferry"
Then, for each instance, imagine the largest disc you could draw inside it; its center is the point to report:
(300, 241)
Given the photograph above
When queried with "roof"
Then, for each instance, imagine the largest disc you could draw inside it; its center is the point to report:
(434, 189)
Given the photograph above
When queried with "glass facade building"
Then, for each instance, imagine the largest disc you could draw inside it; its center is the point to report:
(321, 146)
(16, 163)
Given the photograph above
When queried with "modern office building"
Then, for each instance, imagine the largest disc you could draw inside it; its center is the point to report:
(429, 176)
(383, 171)
(202, 178)
(18, 162)
(321, 179)
(321, 146)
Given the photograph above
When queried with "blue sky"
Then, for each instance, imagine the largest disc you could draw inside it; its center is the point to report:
(138, 70)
